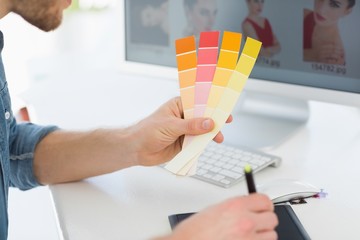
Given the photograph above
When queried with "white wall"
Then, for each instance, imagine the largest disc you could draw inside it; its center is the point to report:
(31, 213)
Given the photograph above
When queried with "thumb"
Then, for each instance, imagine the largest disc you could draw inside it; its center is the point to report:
(195, 126)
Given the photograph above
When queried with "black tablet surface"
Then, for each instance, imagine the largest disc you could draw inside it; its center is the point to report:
(289, 228)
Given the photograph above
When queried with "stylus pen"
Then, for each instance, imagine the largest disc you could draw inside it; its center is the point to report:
(249, 179)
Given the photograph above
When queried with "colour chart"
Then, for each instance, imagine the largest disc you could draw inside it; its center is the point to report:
(227, 74)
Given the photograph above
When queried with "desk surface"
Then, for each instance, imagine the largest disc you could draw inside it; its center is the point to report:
(134, 203)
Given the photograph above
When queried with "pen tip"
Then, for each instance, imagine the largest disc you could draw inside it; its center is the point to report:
(247, 168)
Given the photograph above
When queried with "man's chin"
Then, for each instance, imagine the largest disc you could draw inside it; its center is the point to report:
(48, 26)
(49, 29)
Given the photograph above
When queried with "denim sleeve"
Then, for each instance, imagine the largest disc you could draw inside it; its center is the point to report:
(23, 140)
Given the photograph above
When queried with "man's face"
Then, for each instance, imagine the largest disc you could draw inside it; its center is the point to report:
(44, 14)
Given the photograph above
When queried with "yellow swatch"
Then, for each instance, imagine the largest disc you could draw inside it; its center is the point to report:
(222, 111)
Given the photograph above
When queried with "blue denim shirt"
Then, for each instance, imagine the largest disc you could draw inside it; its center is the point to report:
(17, 144)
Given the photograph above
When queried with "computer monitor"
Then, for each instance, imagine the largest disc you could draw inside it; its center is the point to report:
(311, 51)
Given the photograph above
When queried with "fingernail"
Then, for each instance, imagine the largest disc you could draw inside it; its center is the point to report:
(206, 124)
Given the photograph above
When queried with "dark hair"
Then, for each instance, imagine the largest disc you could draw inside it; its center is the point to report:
(351, 3)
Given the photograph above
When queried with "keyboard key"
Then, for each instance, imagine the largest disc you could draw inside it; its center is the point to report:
(223, 165)
(218, 177)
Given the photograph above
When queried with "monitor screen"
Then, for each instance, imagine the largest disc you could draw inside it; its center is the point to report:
(311, 43)
(310, 51)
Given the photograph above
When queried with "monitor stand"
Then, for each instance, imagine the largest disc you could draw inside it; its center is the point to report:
(264, 121)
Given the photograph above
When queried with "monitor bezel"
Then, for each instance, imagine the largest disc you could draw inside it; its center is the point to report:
(287, 90)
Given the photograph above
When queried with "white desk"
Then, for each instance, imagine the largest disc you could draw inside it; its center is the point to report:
(134, 203)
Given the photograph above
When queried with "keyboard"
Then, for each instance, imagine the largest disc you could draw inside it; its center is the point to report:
(223, 165)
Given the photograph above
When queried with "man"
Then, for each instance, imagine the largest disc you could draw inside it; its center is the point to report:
(32, 155)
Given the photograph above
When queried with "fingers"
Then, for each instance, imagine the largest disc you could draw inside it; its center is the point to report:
(266, 221)
(268, 235)
(233, 219)
(263, 215)
(257, 202)
(196, 126)
(219, 138)
(201, 126)
(230, 119)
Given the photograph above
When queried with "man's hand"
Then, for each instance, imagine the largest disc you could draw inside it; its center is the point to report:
(158, 138)
(242, 218)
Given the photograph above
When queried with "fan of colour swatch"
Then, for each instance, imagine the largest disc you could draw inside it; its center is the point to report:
(211, 81)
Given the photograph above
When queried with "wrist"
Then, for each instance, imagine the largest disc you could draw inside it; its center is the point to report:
(129, 146)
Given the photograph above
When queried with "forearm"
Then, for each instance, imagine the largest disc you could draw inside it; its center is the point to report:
(70, 156)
